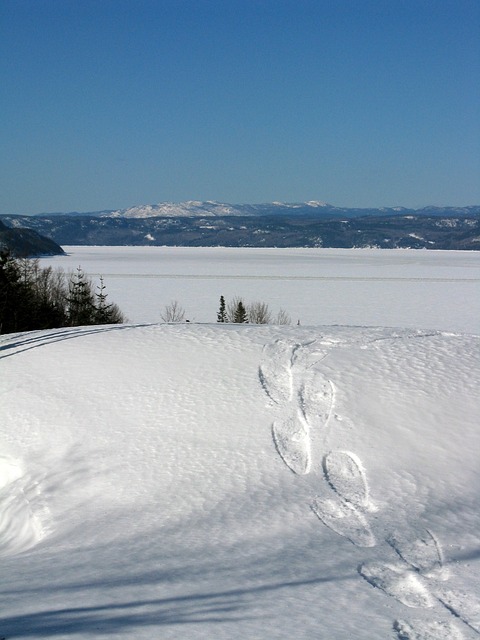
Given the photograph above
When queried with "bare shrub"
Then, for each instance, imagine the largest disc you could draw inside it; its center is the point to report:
(259, 313)
(173, 312)
(283, 317)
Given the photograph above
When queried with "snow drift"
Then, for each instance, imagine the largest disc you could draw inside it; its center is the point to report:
(208, 481)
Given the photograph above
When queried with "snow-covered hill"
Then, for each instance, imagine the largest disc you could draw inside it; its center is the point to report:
(235, 482)
(214, 209)
(175, 209)
(311, 208)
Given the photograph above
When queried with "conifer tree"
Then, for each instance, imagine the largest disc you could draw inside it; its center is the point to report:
(106, 313)
(240, 313)
(222, 313)
(15, 307)
(81, 308)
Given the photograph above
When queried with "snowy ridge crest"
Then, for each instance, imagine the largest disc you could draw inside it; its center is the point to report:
(212, 208)
(172, 209)
(310, 208)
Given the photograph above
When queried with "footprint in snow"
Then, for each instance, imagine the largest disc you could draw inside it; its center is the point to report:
(345, 474)
(315, 398)
(421, 552)
(345, 519)
(275, 371)
(413, 581)
(421, 630)
(304, 396)
(292, 441)
(344, 512)
(405, 585)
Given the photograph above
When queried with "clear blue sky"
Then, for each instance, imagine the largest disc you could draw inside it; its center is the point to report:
(112, 103)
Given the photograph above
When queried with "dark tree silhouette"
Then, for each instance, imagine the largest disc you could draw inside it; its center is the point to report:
(34, 298)
(240, 313)
(222, 313)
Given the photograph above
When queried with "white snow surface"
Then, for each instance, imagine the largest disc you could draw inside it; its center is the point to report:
(240, 482)
(206, 481)
(366, 287)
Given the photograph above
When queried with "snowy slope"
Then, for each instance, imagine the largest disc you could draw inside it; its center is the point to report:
(175, 209)
(313, 208)
(211, 208)
(209, 481)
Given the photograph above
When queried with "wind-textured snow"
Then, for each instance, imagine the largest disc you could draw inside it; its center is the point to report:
(235, 482)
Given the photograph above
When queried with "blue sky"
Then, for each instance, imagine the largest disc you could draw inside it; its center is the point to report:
(112, 103)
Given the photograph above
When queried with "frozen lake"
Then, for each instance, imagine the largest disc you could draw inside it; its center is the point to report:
(368, 287)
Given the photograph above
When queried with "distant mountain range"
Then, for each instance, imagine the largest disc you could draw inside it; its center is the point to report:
(310, 209)
(276, 224)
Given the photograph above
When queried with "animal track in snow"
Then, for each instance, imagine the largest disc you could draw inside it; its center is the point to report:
(345, 474)
(422, 553)
(394, 580)
(421, 630)
(22, 515)
(345, 519)
(292, 441)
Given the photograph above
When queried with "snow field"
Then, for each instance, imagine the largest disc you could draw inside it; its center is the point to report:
(366, 287)
(187, 481)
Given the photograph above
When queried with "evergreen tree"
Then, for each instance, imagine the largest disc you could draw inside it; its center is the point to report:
(240, 313)
(222, 313)
(47, 291)
(81, 308)
(106, 313)
(15, 299)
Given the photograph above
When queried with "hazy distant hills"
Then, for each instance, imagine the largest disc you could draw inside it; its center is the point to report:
(276, 224)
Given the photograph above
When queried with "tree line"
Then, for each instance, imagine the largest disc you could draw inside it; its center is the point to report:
(235, 311)
(32, 297)
(238, 311)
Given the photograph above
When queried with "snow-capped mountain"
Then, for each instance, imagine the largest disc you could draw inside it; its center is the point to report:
(174, 209)
(211, 208)
(274, 224)
(309, 209)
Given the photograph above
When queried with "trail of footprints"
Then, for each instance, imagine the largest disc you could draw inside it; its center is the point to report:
(305, 399)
